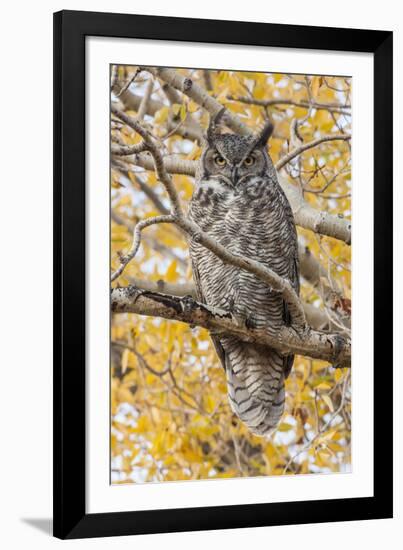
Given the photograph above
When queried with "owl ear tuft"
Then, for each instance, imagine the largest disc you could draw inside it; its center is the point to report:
(215, 120)
(265, 134)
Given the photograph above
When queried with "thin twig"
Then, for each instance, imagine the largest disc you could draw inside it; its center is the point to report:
(124, 260)
(160, 169)
(331, 107)
(298, 150)
(305, 215)
(146, 98)
(129, 82)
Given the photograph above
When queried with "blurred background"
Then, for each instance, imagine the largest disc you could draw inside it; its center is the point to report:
(170, 418)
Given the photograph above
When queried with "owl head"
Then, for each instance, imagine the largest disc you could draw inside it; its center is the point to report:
(232, 158)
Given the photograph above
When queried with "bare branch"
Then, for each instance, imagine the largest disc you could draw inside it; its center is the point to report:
(160, 169)
(310, 268)
(128, 83)
(331, 107)
(333, 348)
(316, 317)
(274, 281)
(124, 260)
(189, 129)
(174, 289)
(310, 145)
(320, 279)
(158, 246)
(126, 150)
(114, 76)
(188, 87)
(173, 165)
(305, 215)
(318, 221)
(207, 80)
(143, 107)
(267, 275)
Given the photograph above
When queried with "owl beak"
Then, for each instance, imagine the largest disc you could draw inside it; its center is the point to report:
(234, 175)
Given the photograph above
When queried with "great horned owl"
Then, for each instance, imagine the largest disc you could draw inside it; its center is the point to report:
(238, 201)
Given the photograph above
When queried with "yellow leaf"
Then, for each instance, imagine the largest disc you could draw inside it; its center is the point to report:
(338, 374)
(323, 386)
(161, 115)
(183, 112)
(317, 82)
(328, 401)
(125, 360)
(143, 425)
(176, 107)
(284, 427)
(209, 403)
(171, 272)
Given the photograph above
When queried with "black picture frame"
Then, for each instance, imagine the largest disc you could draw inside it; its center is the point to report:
(70, 517)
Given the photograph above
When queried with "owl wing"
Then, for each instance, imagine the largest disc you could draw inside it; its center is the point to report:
(293, 276)
(199, 294)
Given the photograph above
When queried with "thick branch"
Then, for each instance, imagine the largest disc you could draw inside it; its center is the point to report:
(318, 221)
(316, 317)
(270, 277)
(305, 215)
(333, 348)
(267, 275)
(191, 89)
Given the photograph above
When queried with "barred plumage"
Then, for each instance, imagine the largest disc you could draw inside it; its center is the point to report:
(239, 202)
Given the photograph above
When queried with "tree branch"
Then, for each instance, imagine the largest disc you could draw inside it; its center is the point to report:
(156, 245)
(188, 87)
(160, 169)
(310, 145)
(331, 107)
(318, 221)
(267, 275)
(305, 215)
(143, 107)
(126, 150)
(124, 260)
(270, 277)
(316, 317)
(310, 268)
(189, 129)
(333, 348)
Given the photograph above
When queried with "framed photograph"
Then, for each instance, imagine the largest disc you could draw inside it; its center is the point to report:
(223, 274)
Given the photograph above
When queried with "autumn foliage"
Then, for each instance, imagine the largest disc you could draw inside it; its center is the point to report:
(170, 417)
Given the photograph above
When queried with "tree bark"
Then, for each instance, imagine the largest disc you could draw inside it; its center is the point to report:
(331, 347)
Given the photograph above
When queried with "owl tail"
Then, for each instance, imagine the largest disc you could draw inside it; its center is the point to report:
(255, 381)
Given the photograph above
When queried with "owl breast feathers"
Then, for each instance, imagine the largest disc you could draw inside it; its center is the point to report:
(238, 201)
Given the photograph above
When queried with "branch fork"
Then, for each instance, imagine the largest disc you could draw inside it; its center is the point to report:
(300, 338)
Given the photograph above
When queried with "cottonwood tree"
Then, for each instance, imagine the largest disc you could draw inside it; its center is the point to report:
(170, 415)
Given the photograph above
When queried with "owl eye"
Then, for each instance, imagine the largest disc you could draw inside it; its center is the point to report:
(249, 161)
(219, 160)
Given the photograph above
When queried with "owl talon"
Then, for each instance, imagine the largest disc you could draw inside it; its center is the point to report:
(187, 303)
